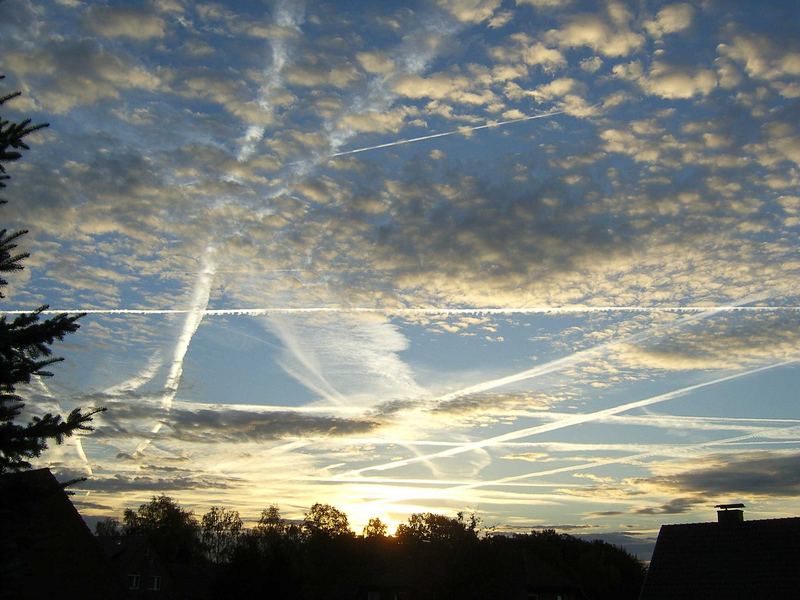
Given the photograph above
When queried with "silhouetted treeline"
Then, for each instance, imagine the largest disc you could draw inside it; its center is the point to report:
(430, 556)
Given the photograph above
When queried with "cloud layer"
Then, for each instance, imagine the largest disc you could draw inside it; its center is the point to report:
(317, 156)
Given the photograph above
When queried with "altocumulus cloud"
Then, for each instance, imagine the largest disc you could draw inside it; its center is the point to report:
(729, 341)
(670, 179)
(762, 474)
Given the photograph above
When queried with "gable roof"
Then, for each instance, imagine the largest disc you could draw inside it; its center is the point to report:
(749, 559)
(46, 550)
(118, 547)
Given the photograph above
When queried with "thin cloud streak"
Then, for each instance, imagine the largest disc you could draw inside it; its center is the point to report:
(577, 419)
(412, 58)
(432, 136)
(514, 480)
(78, 443)
(200, 297)
(577, 357)
(663, 421)
(630, 459)
(309, 375)
(144, 376)
(433, 482)
(288, 14)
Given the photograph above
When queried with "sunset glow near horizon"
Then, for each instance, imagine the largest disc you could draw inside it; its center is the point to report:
(532, 259)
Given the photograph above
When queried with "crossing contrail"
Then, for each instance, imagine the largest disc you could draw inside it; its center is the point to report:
(288, 14)
(557, 365)
(565, 422)
(142, 377)
(517, 480)
(78, 443)
(621, 459)
(202, 292)
(432, 136)
(479, 310)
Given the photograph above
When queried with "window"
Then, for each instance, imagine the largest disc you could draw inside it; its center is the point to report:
(155, 583)
(133, 582)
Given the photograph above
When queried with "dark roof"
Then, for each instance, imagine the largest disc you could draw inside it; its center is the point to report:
(749, 559)
(118, 546)
(46, 550)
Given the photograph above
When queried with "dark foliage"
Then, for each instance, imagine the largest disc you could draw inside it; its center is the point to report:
(107, 527)
(220, 531)
(25, 340)
(430, 556)
(174, 532)
(326, 521)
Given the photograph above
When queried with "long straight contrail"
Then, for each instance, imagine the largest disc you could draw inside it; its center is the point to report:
(200, 296)
(662, 420)
(514, 480)
(432, 136)
(478, 310)
(554, 366)
(620, 459)
(566, 422)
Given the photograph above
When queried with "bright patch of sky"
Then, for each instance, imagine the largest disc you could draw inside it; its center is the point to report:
(229, 156)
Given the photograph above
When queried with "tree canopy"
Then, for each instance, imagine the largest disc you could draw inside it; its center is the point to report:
(375, 528)
(220, 530)
(432, 527)
(171, 529)
(325, 520)
(432, 555)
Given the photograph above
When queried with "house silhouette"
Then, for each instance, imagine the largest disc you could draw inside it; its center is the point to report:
(732, 559)
(142, 572)
(46, 550)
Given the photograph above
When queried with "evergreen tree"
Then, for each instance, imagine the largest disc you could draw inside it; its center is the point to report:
(25, 340)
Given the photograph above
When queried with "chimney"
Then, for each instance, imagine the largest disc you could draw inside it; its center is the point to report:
(730, 513)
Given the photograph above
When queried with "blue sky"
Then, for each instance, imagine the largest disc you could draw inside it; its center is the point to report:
(586, 319)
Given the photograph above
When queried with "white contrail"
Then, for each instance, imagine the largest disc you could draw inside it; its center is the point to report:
(289, 15)
(514, 480)
(432, 136)
(200, 296)
(478, 310)
(554, 366)
(317, 382)
(411, 57)
(78, 444)
(433, 482)
(82, 455)
(566, 422)
(671, 450)
(268, 408)
(621, 459)
(661, 420)
(134, 383)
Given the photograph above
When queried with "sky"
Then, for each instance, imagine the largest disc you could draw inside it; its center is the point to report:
(532, 259)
